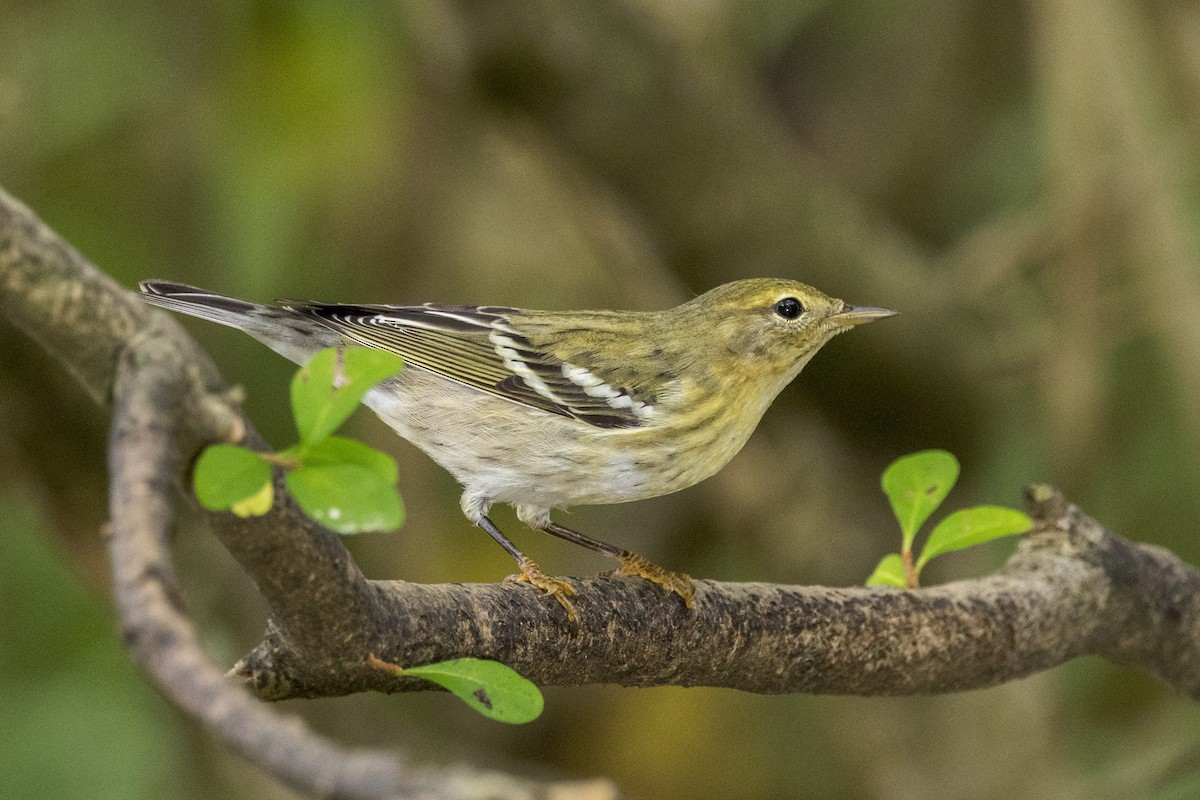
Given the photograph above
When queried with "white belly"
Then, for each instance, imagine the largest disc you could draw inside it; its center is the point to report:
(509, 452)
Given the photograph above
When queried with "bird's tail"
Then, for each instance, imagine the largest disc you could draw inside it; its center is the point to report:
(289, 332)
(203, 304)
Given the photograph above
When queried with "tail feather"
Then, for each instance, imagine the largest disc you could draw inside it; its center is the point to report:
(197, 302)
(294, 335)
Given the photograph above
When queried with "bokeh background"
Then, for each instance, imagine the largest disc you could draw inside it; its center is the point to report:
(1020, 180)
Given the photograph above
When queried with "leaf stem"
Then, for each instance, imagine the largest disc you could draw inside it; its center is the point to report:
(287, 460)
(910, 571)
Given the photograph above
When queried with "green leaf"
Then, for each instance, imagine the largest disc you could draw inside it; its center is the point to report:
(916, 485)
(340, 450)
(226, 475)
(493, 689)
(318, 405)
(347, 498)
(889, 572)
(972, 526)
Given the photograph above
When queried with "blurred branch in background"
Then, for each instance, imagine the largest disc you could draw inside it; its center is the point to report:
(643, 113)
(1120, 180)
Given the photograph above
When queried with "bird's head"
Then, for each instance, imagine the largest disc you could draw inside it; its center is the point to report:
(776, 323)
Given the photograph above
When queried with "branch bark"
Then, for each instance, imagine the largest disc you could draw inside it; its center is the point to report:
(1071, 589)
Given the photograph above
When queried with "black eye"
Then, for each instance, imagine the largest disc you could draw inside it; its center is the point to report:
(789, 308)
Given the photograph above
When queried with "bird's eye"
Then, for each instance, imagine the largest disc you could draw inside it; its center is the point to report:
(789, 308)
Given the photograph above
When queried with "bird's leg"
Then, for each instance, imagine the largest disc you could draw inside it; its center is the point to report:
(632, 564)
(530, 572)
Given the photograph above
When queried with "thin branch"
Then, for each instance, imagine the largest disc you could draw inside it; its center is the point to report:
(148, 400)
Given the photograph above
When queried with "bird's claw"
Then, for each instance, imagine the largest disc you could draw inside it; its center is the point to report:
(557, 588)
(636, 566)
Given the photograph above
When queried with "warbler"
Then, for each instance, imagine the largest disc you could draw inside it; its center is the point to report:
(549, 409)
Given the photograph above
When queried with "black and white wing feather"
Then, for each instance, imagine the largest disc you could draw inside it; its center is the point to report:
(478, 346)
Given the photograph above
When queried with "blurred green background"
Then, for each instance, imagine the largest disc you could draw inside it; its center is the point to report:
(1020, 180)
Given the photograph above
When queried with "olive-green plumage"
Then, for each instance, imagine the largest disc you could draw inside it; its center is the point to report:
(548, 409)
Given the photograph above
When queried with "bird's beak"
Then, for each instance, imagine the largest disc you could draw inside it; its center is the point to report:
(851, 315)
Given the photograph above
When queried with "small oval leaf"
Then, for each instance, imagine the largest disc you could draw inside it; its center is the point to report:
(226, 475)
(340, 450)
(972, 526)
(493, 689)
(346, 498)
(329, 387)
(889, 572)
(916, 485)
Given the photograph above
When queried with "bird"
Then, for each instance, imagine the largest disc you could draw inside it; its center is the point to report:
(544, 410)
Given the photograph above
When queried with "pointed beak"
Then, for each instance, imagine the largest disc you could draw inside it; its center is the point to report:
(851, 315)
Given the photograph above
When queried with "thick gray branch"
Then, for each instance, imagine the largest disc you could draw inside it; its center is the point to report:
(1072, 589)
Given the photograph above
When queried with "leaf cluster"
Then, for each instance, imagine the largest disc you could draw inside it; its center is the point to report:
(915, 486)
(343, 484)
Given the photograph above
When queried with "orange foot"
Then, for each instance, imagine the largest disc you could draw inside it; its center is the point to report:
(557, 588)
(637, 566)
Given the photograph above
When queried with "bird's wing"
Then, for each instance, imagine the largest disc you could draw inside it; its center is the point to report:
(481, 347)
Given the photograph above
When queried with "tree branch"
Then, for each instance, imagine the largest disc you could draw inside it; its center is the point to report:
(1071, 589)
